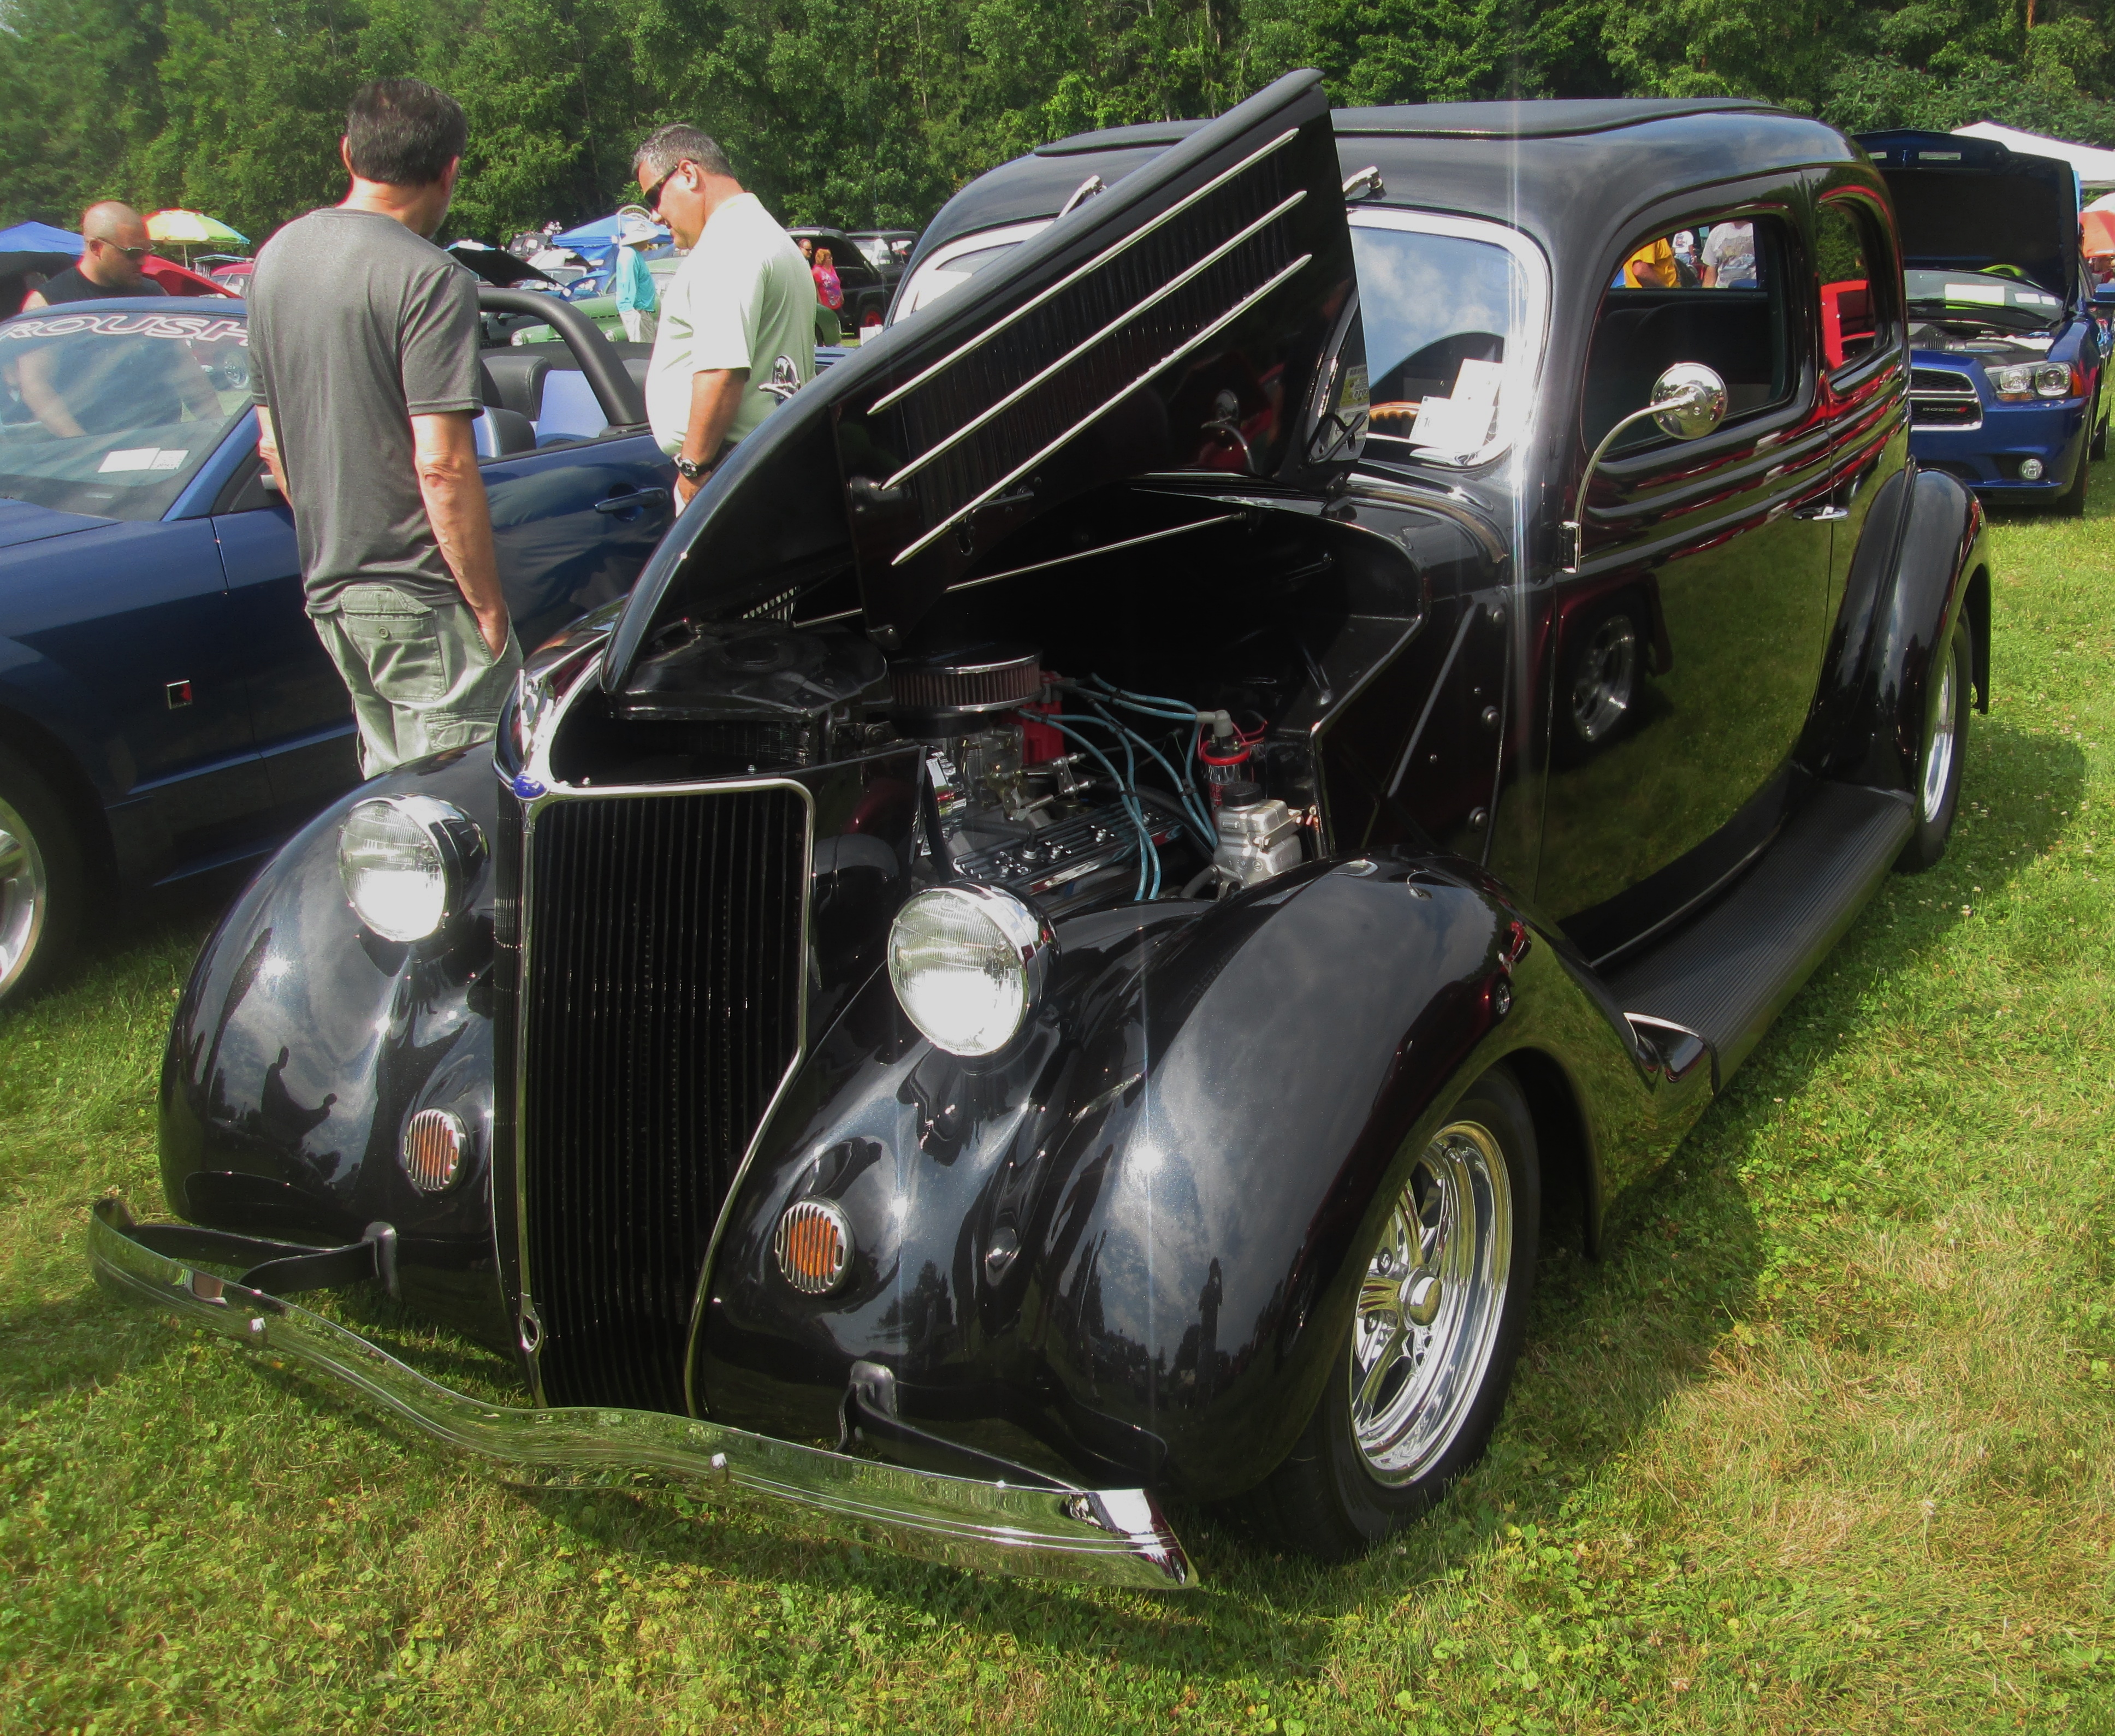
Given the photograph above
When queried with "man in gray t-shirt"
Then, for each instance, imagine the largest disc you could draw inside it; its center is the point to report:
(363, 343)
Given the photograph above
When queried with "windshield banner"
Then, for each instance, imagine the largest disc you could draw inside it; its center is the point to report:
(198, 328)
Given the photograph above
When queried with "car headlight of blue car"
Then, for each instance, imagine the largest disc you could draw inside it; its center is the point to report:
(2019, 383)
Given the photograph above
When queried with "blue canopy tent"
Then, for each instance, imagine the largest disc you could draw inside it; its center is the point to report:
(40, 238)
(32, 248)
(596, 243)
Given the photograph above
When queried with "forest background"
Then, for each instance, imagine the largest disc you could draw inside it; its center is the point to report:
(872, 112)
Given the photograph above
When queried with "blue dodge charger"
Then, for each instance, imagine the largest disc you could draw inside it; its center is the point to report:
(165, 706)
(2006, 389)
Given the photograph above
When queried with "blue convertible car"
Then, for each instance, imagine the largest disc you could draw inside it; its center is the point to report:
(165, 707)
(2005, 385)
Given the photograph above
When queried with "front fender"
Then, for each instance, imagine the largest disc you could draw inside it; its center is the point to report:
(302, 1045)
(1129, 1247)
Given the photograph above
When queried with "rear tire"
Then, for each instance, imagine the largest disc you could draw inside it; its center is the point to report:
(1603, 678)
(42, 879)
(1418, 1381)
(1942, 754)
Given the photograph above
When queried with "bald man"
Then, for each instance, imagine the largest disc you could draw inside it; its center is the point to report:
(109, 266)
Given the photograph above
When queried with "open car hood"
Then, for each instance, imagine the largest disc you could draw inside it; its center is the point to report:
(1967, 205)
(1201, 315)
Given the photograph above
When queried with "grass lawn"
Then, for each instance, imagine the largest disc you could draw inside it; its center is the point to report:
(1823, 1445)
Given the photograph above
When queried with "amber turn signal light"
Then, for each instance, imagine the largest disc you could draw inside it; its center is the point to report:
(813, 1245)
(433, 1152)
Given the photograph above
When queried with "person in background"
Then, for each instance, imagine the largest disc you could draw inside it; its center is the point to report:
(637, 298)
(1729, 256)
(737, 326)
(116, 237)
(363, 345)
(829, 297)
(1651, 267)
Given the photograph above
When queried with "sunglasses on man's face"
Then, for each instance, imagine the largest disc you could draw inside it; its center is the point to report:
(652, 199)
(134, 253)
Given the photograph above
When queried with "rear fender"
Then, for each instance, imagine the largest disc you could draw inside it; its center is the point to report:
(1126, 1246)
(1910, 582)
(302, 1045)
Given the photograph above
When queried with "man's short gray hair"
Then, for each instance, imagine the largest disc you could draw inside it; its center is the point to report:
(668, 146)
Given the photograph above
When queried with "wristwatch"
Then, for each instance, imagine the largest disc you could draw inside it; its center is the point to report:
(692, 472)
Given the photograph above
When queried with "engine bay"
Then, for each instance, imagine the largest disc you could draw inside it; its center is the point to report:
(1994, 345)
(1131, 727)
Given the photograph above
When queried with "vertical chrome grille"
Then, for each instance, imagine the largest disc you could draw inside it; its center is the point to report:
(661, 1008)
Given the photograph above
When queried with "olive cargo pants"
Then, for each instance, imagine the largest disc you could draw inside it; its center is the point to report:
(421, 677)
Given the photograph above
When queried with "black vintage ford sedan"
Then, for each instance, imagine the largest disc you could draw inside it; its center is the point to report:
(1133, 847)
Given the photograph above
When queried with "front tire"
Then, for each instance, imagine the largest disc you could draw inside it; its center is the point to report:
(1417, 1383)
(2071, 503)
(1942, 754)
(41, 879)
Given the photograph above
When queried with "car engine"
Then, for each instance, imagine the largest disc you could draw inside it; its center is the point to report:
(1059, 789)
(1044, 786)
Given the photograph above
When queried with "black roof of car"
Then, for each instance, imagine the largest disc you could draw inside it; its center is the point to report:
(1567, 172)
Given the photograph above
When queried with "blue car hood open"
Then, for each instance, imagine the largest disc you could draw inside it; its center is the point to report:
(22, 523)
(1968, 205)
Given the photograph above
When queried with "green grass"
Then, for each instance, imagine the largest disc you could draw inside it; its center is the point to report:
(1823, 1445)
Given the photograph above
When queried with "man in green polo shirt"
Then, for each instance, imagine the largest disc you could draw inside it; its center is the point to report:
(738, 325)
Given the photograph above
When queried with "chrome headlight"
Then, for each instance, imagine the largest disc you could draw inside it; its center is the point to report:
(407, 862)
(2053, 379)
(969, 964)
(2015, 380)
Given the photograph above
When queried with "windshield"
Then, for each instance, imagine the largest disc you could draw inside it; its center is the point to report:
(953, 264)
(1455, 311)
(112, 413)
(1993, 298)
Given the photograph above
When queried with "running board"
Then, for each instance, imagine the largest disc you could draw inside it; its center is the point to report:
(1727, 973)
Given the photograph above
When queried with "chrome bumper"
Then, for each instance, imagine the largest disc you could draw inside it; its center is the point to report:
(1107, 1536)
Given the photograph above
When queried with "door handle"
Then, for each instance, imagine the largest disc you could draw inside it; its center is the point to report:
(630, 503)
(1827, 513)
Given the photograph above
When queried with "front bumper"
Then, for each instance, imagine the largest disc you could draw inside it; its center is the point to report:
(1986, 457)
(1106, 1537)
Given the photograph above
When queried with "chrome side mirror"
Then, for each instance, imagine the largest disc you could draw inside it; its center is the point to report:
(1688, 401)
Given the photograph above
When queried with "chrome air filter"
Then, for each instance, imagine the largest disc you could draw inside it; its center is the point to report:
(946, 694)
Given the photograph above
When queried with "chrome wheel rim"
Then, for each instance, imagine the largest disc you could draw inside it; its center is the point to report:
(1601, 691)
(1430, 1304)
(24, 895)
(1938, 750)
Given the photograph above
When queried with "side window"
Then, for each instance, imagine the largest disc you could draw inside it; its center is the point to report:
(1853, 287)
(1716, 293)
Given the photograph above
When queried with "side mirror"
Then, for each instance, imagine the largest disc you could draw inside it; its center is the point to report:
(1688, 401)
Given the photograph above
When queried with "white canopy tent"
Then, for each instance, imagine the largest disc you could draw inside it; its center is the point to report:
(2095, 167)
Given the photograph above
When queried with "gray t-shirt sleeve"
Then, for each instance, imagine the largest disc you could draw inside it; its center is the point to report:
(437, 344)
